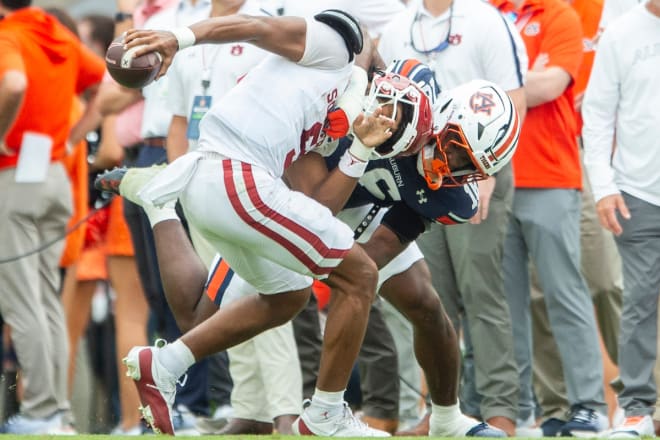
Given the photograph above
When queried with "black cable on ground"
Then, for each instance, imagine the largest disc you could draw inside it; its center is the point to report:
(41, 247)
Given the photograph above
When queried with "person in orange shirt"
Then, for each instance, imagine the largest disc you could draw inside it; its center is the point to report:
(545, 223)
(42, 67)
(600, 266)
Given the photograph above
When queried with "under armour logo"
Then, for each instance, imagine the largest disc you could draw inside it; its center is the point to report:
(422, 196)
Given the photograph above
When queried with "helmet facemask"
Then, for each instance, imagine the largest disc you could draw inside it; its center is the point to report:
(406, 99)
(448, 160)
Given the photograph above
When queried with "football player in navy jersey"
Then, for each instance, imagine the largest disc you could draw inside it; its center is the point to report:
(394, 201)
(397, 197)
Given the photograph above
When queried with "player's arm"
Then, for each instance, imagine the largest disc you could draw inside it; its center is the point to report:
(309, 173)
(284, 36)
(281, 35)
(330, 40)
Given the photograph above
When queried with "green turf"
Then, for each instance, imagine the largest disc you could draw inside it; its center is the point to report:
(204, 437)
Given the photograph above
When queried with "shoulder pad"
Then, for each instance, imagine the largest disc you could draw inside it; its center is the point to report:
(347, 26)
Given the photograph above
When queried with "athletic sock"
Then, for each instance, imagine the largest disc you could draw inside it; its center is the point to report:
(157, 215)
(326, 404)
(453, 421)
(176, 358)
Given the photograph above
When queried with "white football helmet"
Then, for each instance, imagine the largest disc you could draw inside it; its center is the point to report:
(417, 124)
(476, 129)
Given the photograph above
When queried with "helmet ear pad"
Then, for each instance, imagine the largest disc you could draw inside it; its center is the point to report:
(347, 26)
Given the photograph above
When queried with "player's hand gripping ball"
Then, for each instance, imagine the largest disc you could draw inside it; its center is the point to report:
(129, 70)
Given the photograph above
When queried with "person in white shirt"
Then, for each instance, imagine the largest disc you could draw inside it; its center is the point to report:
(199, 76)
(449, 37)
(622, 154)
(612, 9)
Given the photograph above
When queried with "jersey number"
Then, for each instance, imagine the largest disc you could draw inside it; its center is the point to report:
(380, 183)
(309, 139)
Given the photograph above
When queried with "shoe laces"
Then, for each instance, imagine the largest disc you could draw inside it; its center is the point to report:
(584, 415)
(348, 418)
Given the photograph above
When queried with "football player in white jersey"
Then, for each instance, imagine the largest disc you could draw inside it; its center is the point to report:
(275, 238)
(199, 75)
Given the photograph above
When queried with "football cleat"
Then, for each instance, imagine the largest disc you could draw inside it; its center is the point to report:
(109, 181)
(344, 424)
(127, 182)
(155, 384)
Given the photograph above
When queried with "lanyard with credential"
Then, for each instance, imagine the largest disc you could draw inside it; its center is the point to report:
(202, 103)
(207, 70)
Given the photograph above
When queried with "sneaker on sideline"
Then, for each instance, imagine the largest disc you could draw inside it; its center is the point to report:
(184, 422)
(585, 422)
(634, 427)
(135, 430)
(219, 419)
(528, 428)
(344, 424)
(155, 384)
(63, 429)
(465, 427)
(552, 427)
(20, 424)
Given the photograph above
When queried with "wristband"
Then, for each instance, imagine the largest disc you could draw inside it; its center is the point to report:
(351, 166)
(359, 151)
(184, 36)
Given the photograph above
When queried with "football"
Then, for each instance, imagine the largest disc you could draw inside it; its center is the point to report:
(129, 70)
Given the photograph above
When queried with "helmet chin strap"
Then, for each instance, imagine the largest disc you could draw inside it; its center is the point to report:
(431, 169)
